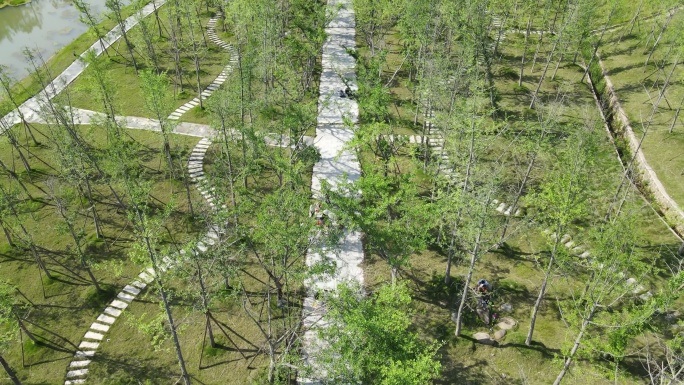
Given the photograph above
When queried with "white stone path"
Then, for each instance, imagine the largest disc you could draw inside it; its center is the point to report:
(77, 371)
(337, 164)
(31, 108)
(211, 33)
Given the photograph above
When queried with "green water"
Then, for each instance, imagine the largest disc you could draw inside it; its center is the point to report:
(43, 25)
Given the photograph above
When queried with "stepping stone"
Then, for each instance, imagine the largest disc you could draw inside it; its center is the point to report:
(209, 241)
(213, 87)
(79, 364)
(99, 327)
(507, 307)
(570, 244)
(84, 353)
(131, 289)
(646, 296)
(138, 284)
(125, 296)
(639, 289)
(501, 208)
(146, 277)
(194, 102)
(546, 231)
(577, 249)
(496, 202)
(174, 117)
(106, 319)
(585, 255)
(483, 338)
(183, 108)
(112, 311)
(507, 323)
(119, 304)
(88, 345)
(499, 334)
(201, 247)
(176, 113)
(93, 336)
(631, 282)
(212, 234)
(74, 382)
(508, 211)
(77, 373)
(151, 272)
(566, 238)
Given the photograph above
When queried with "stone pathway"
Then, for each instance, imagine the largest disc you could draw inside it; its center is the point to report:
(77, 371)
(30, 109)
(211, 33)
(337, 164)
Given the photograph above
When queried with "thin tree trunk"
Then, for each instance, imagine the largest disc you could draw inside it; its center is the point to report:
(542, 290)
(575, 347)
(527, 39)
(662, 31)
(9, 371)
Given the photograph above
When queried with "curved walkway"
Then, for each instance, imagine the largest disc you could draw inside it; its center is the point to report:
(78, 367)
(211, 33)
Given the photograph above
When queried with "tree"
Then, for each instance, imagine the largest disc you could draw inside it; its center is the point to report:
(604, 305)
(8, 328)
(371, 341)
(158, 102)
(115, 7)
(561, 199)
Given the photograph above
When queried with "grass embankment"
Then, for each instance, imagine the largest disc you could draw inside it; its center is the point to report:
(516, 267)
(27, 87)
(71, 303)
(13, 3)
(638, 86)
(125, 80)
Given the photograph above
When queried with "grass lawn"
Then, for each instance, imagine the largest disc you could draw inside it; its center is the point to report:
(71, 304)
(128, 96)
(12, 3)
(638, 88)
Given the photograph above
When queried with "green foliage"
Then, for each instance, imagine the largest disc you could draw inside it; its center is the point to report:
(371, 339)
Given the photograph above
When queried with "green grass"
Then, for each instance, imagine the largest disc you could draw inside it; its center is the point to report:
(71, 303)
(12, 3)
(128, 97)
(638, 87)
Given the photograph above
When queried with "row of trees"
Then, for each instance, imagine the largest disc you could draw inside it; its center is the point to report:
(448, 58)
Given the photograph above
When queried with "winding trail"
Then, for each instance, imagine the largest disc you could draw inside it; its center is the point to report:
(338, 164)
(211, 33)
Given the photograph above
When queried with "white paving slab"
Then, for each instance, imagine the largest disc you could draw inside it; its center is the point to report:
(125, 296)
(77, 373)
(93, 336)
(119, 304)
(99, 327)
(88, 345)
(131, 289)
(79, 364)
(112, 311)
(106, 319)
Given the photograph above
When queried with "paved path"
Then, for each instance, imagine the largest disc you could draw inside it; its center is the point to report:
(211, 33)
(336, 165)
(31, 107)
(77, 372)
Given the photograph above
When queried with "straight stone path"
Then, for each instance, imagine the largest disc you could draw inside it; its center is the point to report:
(30, 109)
(337, 164)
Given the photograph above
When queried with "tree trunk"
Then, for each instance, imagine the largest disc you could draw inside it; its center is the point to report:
(9, 371)
(527, 39)
(466, 284)
(575, 347)
(542, 290)
(674, 121)
(662, 31)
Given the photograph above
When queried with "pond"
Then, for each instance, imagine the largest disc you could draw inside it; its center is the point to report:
(44, 25)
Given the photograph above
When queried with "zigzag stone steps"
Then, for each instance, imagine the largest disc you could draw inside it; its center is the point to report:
(220, 79)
